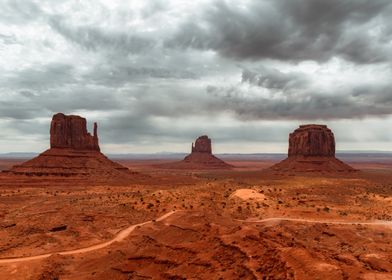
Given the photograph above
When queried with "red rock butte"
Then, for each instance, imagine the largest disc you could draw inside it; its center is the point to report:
(201, 157)
(71, 132)
(312, 149)
(73, 152)
(202, 145)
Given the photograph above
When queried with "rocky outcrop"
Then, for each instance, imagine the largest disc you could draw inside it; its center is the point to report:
(71, 132)
(73, 153)
(311, 149)
(202, 145)
(312, 140)
(201, 157)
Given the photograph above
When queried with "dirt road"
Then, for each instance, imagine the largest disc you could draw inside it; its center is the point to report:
(119, 237)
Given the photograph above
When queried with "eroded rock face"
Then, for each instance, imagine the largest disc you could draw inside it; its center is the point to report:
(312, 140)
(201, 157)
(311, 149)
(202, 145)
(73, 153)
(71, 132)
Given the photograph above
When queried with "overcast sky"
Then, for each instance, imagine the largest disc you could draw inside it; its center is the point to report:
(156, 74)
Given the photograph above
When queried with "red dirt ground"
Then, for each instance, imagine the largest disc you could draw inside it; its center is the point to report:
(221, 228)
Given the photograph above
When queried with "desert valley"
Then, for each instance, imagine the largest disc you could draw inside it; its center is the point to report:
(71, 213)
(196, 140)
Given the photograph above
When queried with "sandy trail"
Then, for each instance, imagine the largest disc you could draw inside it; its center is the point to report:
(125, 232)
(373, 223)
(119, 237)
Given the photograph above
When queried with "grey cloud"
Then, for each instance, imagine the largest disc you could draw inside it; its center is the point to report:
(40, 77)
(292, 30)
(96, 39)
(21, 110)
(19, 12)
(153, 7)
(31, 127)
(27, 105)
(380, 94)
(141, 128)
(302, 106)
(76, 98)
(118, 74)
(8, 39)
(274, 79)
(151, 87)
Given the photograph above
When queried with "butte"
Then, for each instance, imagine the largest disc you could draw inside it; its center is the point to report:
(73, 152)
(201, 157)
(311, 149)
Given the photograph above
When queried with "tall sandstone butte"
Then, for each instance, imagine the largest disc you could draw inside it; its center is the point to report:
(73, 152)
(312, 149)
(201, 157)
(312, 140)
(71, 132)
(202, 145)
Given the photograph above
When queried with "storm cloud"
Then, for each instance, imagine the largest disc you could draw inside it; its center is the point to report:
(156, 74)
(293, 30)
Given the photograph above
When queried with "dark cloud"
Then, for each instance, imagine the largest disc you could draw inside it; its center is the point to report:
(120, 73)
(145, 129)
(292, 30)
(78, 98)
(27, 105)
(30, 127)
(40, 77)
(159, 72)
(20, 109)
(271, 78)
(96, 39)
(355, 103)
(379, 94)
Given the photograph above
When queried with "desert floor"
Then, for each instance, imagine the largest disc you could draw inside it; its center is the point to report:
(243, 223)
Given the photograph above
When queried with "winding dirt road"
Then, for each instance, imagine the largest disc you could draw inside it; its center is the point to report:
(119, 237)
(374, 223)
(125, 232)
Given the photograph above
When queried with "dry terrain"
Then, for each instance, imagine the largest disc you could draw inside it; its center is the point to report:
(242, 223)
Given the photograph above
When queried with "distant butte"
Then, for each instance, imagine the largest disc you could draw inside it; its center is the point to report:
(202, 145)
(73, 152)
(201, 157)
(312, 149)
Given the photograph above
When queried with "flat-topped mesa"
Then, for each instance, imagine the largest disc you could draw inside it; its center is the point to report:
(311, 149)
(71, 132)
(312, 140)
(202, 145)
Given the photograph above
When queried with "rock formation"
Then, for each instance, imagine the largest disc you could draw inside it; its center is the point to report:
(202, 145)
(71, 132)
(312, 149)
(201, 157)
(73, 153)
(312, 140)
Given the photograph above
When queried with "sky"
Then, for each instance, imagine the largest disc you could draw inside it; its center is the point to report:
(157, 74)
